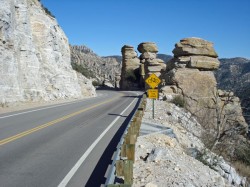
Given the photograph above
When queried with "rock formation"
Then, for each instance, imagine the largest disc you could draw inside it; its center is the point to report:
(130, 68)
(189, 75)
(34, 56)
(103, 70)
(149, 62)
(194, 53)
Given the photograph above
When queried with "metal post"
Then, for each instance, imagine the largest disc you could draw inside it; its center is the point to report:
(153, 109)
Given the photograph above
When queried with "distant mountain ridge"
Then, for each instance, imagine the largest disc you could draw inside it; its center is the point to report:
(164, 57)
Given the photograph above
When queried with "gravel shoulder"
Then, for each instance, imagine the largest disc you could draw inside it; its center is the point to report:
(163, 160)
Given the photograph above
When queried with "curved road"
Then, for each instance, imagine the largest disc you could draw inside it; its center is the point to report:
(68, 144)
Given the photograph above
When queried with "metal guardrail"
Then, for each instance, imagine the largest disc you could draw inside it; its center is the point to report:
(124, 156)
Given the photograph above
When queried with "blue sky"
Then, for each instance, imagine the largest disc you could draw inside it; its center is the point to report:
(106, 25)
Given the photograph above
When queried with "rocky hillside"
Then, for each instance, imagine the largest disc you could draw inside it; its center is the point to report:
(35, 56)
(102, 70)
(234, 75)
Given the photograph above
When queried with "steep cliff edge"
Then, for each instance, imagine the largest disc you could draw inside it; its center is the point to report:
(35, 56)
(234, 75)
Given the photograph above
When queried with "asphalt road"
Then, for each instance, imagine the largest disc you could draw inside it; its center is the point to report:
(68, 144)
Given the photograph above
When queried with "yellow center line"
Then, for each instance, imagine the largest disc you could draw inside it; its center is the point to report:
(40, 127)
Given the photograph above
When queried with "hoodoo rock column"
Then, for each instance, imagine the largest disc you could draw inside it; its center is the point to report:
(190, 75)
(149, 63)
(130, 69)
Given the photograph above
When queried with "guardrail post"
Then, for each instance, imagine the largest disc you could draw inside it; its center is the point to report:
(128, 172)
(130, 152)
(124, 166)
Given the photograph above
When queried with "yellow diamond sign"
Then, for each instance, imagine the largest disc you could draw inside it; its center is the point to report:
(153, 81)
(152, 93)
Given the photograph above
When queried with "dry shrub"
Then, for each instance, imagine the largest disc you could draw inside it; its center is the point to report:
(179, 101)
(242, 169)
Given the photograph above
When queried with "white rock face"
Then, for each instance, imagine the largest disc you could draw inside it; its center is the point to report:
(34, 55)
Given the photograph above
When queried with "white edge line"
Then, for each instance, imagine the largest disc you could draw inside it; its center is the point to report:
(45, 108)
(71, 173)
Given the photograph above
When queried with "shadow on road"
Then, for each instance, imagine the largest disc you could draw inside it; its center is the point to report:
(117, 115)
(97, 177)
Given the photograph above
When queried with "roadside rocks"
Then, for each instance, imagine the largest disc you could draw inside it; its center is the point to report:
(162, 160)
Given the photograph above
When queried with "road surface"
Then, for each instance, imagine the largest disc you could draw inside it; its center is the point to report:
(69, 144)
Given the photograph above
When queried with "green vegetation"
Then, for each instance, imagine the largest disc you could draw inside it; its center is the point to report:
(84, 71)
(179, 101)
(242, 160)
(96, 83)
(130, 75)
(242, 153)
(204, 157)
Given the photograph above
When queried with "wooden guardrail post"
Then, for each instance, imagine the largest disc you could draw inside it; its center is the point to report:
(124, 167)
(128, 172)
(130, 152)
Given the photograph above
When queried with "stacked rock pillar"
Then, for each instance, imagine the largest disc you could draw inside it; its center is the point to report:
(149, 62)
(130, 63)
(190, 73)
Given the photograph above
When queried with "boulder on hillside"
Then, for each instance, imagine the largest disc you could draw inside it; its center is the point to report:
(194, 46)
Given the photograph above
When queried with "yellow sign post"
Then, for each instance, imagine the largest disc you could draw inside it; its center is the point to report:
(153, 82)
(152, 93)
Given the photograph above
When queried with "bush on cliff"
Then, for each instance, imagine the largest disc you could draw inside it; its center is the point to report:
(84, 71)
(46, 10)
(179, 101)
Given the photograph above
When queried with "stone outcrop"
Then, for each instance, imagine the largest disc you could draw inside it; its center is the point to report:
(105, 71)
(194, 46)
(194, 53)
(149, 62)
(130, 69)
(189, 74)
(34, 56)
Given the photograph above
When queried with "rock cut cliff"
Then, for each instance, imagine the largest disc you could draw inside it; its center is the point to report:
(35, 56)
